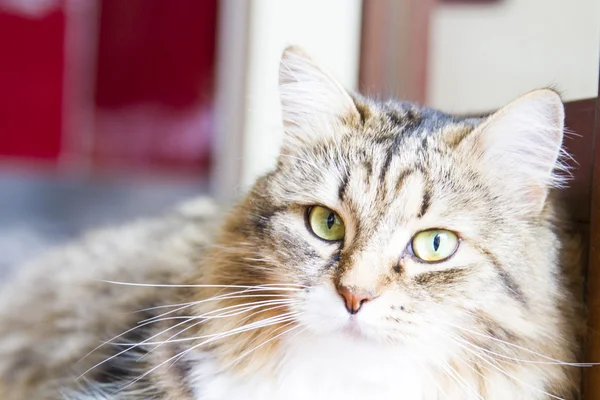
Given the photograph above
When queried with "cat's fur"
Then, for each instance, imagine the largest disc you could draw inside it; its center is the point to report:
(501, 319)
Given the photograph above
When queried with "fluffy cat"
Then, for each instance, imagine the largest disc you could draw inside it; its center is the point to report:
(395, 252)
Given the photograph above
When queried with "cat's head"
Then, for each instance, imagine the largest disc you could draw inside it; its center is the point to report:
(403, 223)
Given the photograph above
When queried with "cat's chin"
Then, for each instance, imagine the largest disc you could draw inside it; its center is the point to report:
(356, 335)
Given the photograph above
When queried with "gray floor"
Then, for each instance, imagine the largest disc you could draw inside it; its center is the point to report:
(36, 212)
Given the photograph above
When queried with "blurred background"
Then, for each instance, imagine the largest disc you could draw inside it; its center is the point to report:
(115, 109)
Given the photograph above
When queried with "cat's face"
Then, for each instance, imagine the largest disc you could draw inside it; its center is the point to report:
(405, 225)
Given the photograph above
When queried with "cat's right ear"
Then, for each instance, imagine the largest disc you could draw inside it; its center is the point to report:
(518, 149)
(313, 102)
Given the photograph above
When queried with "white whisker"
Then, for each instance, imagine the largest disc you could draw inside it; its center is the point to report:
(110, 341)
(274, 286)
(127, 349)
(264, 343)
(168, 340)
(250, 326)
(213, 338)
(220, 297)
(520, 347)
(503, 371)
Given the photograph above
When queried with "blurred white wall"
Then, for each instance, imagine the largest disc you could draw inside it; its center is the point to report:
(328, 29)
(482, 56)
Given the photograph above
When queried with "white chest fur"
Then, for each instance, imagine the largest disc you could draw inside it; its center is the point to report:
(337, 367)
(323, 368)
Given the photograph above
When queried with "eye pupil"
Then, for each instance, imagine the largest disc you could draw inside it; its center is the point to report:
(330, 220)
(436, 242)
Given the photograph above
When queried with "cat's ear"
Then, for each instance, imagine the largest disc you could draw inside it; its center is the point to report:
(313, 102)
(518, 148)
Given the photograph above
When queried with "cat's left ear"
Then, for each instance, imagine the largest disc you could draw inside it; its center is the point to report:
(313, 102)
(517, 149)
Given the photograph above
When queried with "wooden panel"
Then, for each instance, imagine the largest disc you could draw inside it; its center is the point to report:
(591, 382)
(579, 141)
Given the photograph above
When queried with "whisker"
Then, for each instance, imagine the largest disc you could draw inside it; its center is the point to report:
(127, 349)
(147, 342)
(503, 371)
(426, 370)
(110, 341)
(233, 308)
(264, 343)
(242, 308)
(520, 347)
(200, 322)
(519, 360)
(250, 326)
(212, 339)
(457, 377)
(273, 286)
(220, 297)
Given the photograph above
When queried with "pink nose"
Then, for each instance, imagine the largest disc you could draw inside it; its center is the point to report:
(354, 299)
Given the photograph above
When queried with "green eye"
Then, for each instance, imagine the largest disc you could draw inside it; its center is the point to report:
(326, 224)
(434, 245)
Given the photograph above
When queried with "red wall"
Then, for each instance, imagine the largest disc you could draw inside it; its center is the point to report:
(31, 85)
(154, 81)
(155, 72)
(156, 51)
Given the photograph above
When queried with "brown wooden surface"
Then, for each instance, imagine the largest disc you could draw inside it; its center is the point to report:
(591, 382)
(583, 192)
(579, 142)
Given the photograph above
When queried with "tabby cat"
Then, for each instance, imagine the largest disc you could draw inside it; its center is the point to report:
(394, 252)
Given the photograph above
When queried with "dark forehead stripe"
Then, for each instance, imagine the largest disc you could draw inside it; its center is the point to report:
(426, 198)
(402, 178)
(405, 115)
(385, 167)
(426, 202)
(404, 120)
(512, 287)
(343, 186)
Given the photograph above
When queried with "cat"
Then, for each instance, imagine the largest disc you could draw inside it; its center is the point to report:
(394, 252)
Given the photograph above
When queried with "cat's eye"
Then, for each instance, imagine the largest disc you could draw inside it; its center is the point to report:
(326, 224)
(434, 245)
